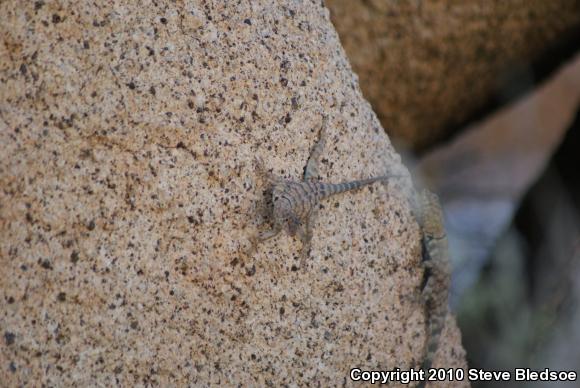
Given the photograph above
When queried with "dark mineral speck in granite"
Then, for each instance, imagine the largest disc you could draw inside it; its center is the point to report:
(9, 338)
(251, 271)
(46, 264)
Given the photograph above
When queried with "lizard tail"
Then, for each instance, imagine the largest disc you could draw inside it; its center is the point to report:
(428, 361)
(435, 329)
(347, 186)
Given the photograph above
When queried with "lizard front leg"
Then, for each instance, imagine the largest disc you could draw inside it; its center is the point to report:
(260, 237)
(263, 172)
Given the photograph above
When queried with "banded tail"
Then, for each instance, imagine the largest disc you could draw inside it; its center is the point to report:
(435, 328)
(333, 189)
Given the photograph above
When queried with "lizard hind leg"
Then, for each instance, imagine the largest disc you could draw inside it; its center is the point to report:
(306, 238)
(311, 171)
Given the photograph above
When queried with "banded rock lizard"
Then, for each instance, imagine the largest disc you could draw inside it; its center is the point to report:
(438, 273)
(295, 203)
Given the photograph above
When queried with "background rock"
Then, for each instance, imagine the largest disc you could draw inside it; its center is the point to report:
(482, 175)
(427, 66)
(128, 194)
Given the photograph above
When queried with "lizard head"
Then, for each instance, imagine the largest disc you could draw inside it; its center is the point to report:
(431, 216)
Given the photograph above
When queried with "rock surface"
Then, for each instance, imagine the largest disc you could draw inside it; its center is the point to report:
(426, 66)
(128, 196)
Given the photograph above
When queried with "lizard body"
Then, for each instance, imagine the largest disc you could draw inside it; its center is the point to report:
(436, 262)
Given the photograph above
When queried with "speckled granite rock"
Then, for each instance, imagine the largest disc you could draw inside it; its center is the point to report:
(128, 195)
(429, 65)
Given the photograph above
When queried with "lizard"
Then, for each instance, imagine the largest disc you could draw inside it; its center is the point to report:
(435, 252)
(295, 203)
